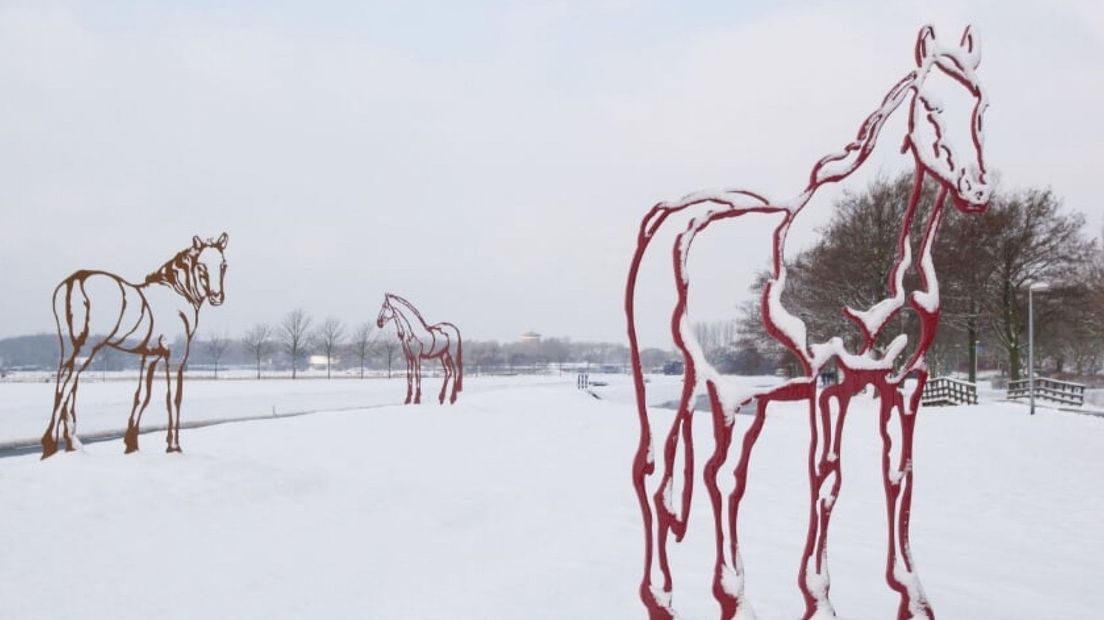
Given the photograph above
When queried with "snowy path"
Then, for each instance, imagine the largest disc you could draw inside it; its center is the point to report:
(516, 504)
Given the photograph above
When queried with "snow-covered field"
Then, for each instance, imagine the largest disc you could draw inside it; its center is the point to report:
(104, 406)
(515, 503)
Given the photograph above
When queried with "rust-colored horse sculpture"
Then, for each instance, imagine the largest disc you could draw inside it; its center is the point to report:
(96, 309)
(896, 373)
(422, 341)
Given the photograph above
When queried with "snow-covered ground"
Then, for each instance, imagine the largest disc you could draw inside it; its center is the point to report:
(104, 406)
(516, 503)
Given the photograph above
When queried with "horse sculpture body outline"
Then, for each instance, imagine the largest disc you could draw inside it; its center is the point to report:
(665, 512)
(97, 309)
(420, 341)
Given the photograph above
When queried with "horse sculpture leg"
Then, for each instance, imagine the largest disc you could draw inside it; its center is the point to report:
(455, 377)
(444, 384)
(656, 507)
(61, 392)
(172, 438)
(409, 376)
(825, 478)
(897, 479)
(659, 601)
(62, 422)
(141, 401)
(728, 572)
(67, 415)
(72, 440)
(417, 379)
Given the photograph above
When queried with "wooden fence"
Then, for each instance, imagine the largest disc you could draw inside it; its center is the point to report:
(1063, 392)
(947, 391)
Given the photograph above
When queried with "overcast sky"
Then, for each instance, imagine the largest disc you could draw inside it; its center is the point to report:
(489, 160)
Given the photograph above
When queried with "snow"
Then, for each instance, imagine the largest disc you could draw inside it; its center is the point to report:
(874, 318)
(517, 503)
(104, 406)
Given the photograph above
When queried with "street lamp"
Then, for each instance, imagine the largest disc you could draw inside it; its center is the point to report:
(1037, 286)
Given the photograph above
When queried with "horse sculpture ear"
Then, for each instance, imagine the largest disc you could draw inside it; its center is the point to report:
(197, 243)
(972, 48)
(924, 43)
(221, 243)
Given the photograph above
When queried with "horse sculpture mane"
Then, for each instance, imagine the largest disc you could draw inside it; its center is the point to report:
(176, 273)
(666, 512)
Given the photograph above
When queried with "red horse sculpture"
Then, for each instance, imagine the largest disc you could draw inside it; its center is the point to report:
(96, 309)
(420, 341)
(896, 377)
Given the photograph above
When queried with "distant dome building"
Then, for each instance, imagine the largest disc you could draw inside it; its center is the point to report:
(530, 336)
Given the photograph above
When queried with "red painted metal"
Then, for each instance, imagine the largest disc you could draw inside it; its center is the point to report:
(898, 385)
(419, 340)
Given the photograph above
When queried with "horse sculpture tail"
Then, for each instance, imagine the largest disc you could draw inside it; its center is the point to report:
(57, 321)
(459, 362)
(667, 512)
(459, 356)
(679, 440)
(664, 518)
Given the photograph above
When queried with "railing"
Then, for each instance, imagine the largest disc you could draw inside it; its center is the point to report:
(947, 391)
(1063, 392)
(582, 381)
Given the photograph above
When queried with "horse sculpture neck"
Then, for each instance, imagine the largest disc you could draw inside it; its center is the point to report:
(179, 274)
(838, 166)
(408, 319)
(788, 329)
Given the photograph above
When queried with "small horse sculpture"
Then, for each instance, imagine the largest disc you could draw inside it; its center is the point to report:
(96, 309)
(422, 341)
(665, 511)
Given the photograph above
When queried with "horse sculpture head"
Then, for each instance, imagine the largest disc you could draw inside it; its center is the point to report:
(932, 136)
(386, 312)
(209, 268)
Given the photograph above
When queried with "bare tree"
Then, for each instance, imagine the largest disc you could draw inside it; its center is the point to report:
(362, 344)
(482, 356)
(328, 337)
(986, 262)
(387, 348)
(258, 341)
(294, 330)
(107, 355)
(216, 347)
(556, 350)
(1036, 241)
(717, 338)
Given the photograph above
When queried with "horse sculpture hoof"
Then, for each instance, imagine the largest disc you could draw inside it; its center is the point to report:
(48, 448)
(171, 450)
(131, 440)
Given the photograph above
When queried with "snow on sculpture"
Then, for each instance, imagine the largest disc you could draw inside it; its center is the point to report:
(96, 310)
(422, 341)
(961, 175)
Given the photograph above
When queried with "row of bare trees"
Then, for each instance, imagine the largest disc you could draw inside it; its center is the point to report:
(542, 355)
(296, 336)
(986, 263)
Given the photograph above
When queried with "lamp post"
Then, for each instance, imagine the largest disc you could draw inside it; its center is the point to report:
(1037, 286)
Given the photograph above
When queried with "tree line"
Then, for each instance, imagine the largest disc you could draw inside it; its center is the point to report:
(286, 346)
(986, 263)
